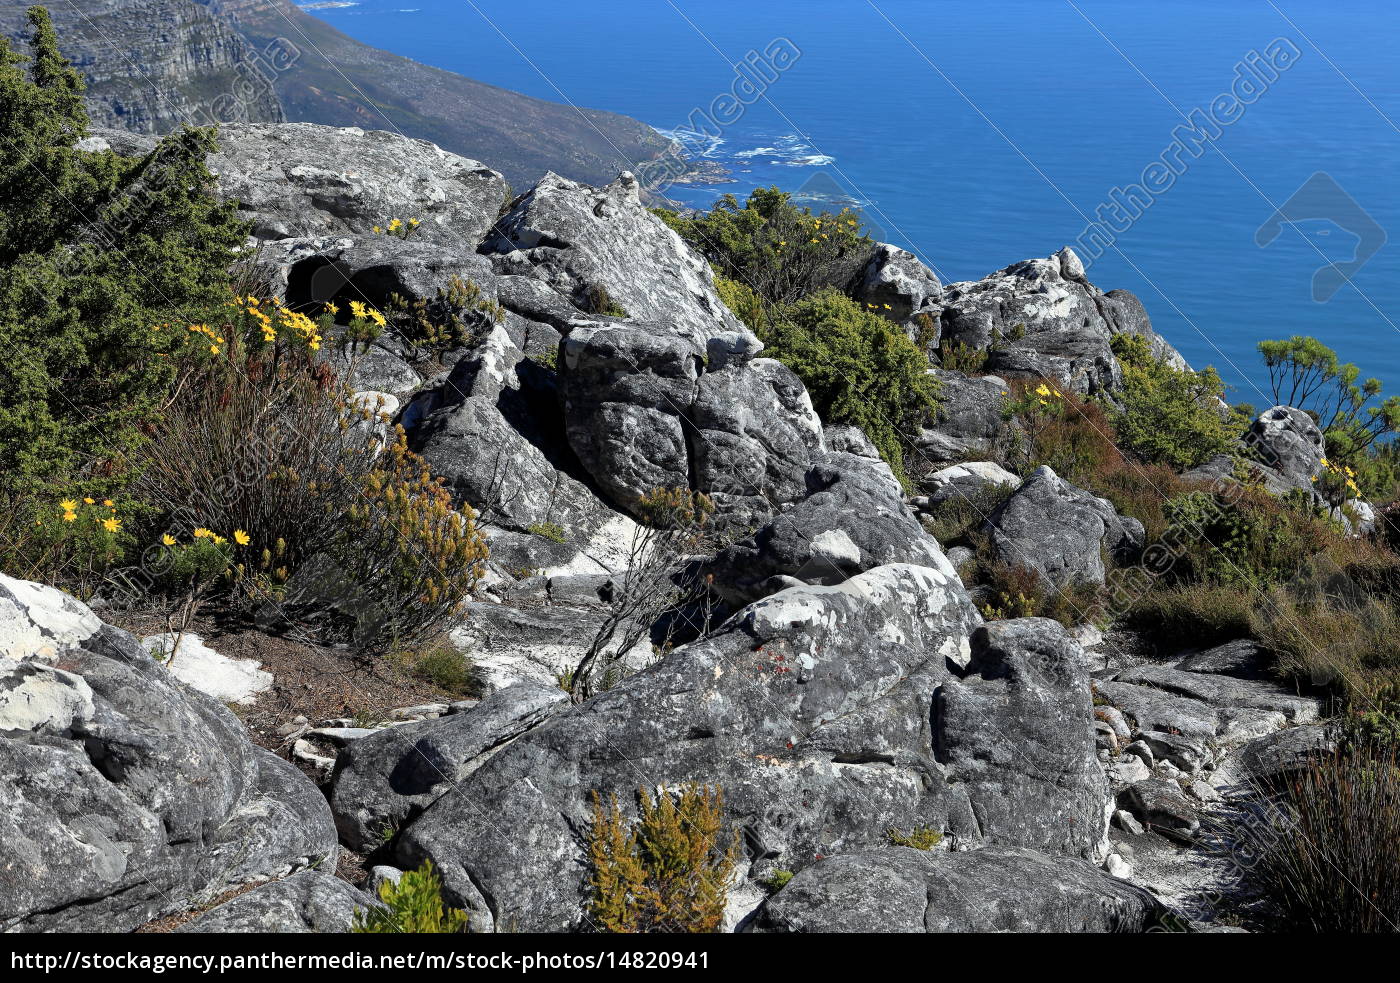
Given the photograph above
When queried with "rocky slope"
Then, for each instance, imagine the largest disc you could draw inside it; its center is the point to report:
(154, 64)
(845, 686)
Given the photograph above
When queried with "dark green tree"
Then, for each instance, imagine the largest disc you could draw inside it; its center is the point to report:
(96, 251)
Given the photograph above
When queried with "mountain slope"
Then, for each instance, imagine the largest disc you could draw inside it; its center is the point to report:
(155, 63)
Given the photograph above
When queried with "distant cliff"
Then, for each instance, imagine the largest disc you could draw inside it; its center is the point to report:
(153, 64)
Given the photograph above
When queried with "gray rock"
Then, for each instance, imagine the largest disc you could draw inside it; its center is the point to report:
(539, 644)
(576, 239)
(1048, 321)
(846, 438)
(900, 286)
(1244, 659)
(642, 412)
(300, 179)
(995, 889)
(853, 519)
(970, 416)
(1162, 805)
(383, 782)
(967, 482)
(1186, 753)
(309, 901)
(125, 793)
(1018, 732)
(492, 431)
(1267, 759)
(1059, 530)
(809, 708)
(1287, 440)
(1225, 692)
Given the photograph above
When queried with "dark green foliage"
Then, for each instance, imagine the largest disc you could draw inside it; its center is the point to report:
(1170, 416)
(780, 251)
(94, 252)
(413, 906)
(858, 368)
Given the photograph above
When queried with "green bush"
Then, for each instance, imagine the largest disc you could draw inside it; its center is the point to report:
(1170, 416)
(858, 368)
(413, 906)
(1193, 615)
(780, 251)
(745, 303)
(95, 252)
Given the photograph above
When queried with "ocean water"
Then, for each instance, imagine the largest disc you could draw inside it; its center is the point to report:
(978, 134)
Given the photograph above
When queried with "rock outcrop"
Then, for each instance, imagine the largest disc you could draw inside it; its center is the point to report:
(123, 792)
(1060, 531)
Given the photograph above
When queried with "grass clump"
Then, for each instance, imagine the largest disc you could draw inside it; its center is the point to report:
(413, 906)
(1326, 845)
(551, 531)
(668, 873)
(920, 837)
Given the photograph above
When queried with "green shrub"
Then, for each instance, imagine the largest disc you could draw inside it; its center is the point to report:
(95, 251)
(780, 251)
(1325, 848)
(746, 304)
(959, 518)
(668, 874)
(962, 357)
(1019, 592)
(1170, 416)
(413, 906)
(858, 368)
(777, 880)
(456, 316)
(596, 300)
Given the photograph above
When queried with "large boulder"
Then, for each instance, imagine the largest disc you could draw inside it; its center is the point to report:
(853, 519)
(644, 410)
(581, 240)
(810, 709)
(897, 285)
(124, 794)
(971, 415)
(1060, 531)
(1285, 439)
(385, 780)
(994, 889)
(1018, 730)
(493, 431)
(1043, 318)
(302, 179)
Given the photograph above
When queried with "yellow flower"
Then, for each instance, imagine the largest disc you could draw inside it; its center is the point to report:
(69, 516)
(414, 222)
(1043, 390)
(219, 540)
(332, 309)
(89, 501)
(112, 524)
(377, 318)
(378, 230)
(68, 505)
(168, 539)
(241, 538)
(108, 502)
(357, 308)
(202, 533)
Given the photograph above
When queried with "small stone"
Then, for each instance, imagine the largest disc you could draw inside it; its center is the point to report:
(1128, 771)
(1127, 822)
(1141, 750)
(1118, 867)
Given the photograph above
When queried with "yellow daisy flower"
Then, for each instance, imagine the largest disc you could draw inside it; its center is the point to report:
(241, 538)
(168, 539)
(112, 524)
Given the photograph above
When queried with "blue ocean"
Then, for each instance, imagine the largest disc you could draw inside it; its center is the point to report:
(977, 134)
